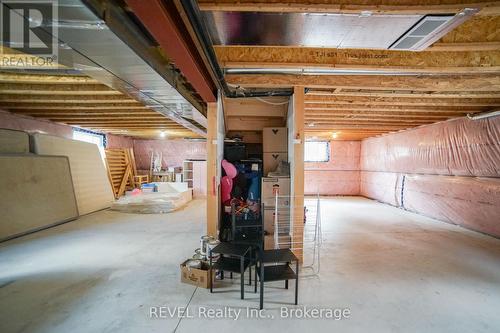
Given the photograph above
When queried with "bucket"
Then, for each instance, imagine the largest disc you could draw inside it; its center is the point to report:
(210, 246)
(203, 243)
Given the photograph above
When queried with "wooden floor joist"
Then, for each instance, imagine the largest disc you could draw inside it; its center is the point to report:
(82, 101)
(448, 83)
(444, 62)
(29, 98)
(349, 7)
(400, 101)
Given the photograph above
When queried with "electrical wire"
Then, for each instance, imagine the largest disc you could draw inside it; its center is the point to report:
(258, 98)
(271, 103)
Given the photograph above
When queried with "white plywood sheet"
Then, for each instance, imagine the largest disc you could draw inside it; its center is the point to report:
(12, 141)
(92, 189)
(36, 192)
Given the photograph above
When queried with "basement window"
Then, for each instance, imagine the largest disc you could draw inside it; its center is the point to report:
(90, 137)
(317, 151)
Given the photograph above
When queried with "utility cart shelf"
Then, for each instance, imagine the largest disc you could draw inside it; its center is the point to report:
(277, 269)
(278, 273)
(230, 264)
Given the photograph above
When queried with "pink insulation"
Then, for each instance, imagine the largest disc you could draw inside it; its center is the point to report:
(381, 186)
(338, 176)
(174, 151)
(37, 125)
(34, 125)
(468, 201)
(459, 147)
(119, 141)
(331, 182)
(449, 171)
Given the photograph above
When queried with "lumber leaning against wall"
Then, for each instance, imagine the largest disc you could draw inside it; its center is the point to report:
(449, 171)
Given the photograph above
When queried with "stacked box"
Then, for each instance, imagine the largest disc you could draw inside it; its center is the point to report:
(275, 147)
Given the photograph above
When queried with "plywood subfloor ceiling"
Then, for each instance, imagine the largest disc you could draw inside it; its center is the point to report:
(81, 101)
(457, 75)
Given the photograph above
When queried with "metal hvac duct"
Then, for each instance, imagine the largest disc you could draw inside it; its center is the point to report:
(88, 45)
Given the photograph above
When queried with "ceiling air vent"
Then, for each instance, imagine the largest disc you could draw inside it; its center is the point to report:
(429, 29)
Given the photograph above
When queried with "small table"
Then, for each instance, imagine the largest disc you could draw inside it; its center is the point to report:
(236, 261)
(280, 271)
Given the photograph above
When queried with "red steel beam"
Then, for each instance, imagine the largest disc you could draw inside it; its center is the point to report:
(162, 26)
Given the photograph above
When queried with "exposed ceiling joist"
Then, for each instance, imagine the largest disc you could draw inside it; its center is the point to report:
(349, 7)
(10, 77)
(399, 101)
(78, 100)
(68, 99)
(277, 58)
(411, 94)
(471, 46)
(76, 108)
(399, 115)
(388, 108)
(456, 83)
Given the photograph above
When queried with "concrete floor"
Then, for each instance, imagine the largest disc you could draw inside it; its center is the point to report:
(395, 272)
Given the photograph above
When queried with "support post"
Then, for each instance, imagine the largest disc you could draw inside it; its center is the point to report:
(298, 172)
(212, 188)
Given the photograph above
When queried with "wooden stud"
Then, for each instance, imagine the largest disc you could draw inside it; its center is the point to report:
(212, 190)
(297, 171)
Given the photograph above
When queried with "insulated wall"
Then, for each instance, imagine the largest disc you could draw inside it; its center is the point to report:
(449, 171)
(174, 152)
(338, 176)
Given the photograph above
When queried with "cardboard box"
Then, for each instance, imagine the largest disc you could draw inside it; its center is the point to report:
(196, 277)
(283, 220)
(275, 139)
(271, 186)
(284, 242)
(272, 160)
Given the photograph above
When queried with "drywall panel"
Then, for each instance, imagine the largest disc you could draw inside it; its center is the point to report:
(92, 189)
(460, 147)
(36, 191)
(12, 142)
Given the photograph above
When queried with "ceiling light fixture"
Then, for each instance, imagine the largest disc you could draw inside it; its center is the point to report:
(335, 135)
(163, 134)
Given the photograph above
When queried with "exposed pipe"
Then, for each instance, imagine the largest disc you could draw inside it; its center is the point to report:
(194, 15)
(483, 115)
